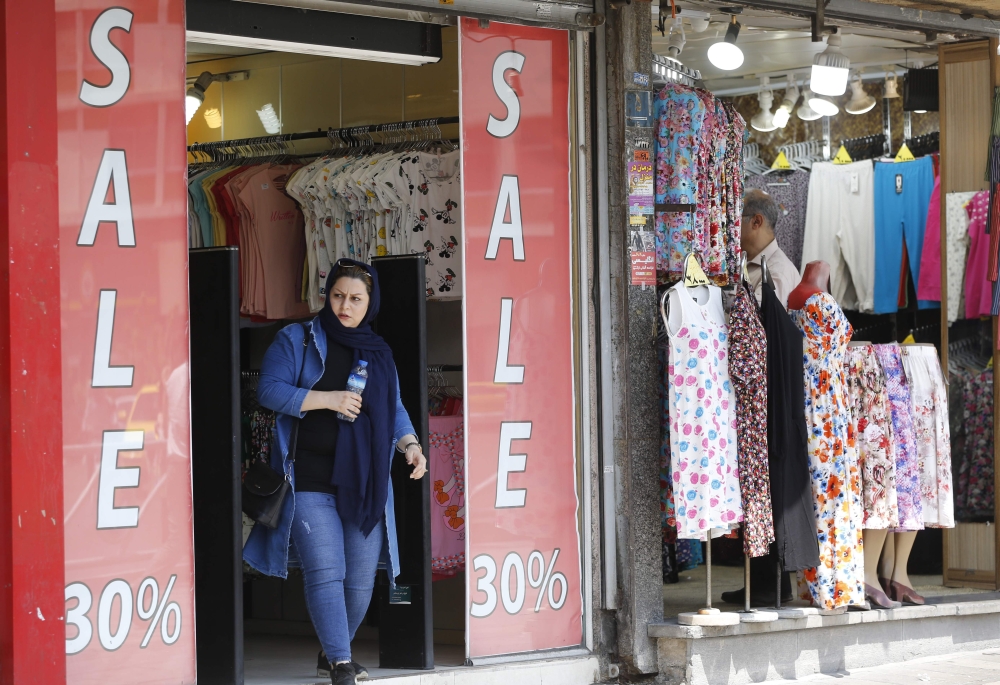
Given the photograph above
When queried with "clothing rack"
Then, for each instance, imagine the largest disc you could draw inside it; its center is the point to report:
(925, 144)
(865, 147)
(348, 134)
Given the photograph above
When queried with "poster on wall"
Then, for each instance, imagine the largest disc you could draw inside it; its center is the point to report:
(523, 546)
(123, 269)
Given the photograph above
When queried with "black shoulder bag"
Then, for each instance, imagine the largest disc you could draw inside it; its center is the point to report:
(264, 490)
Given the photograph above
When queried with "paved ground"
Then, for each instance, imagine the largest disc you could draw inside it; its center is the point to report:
(965, 668)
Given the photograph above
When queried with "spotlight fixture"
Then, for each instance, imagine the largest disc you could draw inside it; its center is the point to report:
(763, 120)
(725, 54)
(823, 105)
(676, 39)
(791, 97)
(830, 69)
(861, 101)
(891, 85)
(805, 112)
(196, 93)
(269, 118)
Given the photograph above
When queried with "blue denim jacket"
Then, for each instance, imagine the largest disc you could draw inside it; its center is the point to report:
(281, 391)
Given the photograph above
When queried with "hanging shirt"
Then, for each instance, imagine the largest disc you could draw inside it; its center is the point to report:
(978, 289)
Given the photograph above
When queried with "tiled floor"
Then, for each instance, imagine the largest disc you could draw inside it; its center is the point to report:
(965, 668)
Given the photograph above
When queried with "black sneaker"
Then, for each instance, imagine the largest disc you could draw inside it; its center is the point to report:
(343, 674)
(323, 667)
(360, 671)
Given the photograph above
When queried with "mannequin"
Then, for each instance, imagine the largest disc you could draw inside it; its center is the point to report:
(892, 567)
(815, 279)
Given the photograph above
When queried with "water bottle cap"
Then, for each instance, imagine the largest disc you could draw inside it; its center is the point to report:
(362, 363)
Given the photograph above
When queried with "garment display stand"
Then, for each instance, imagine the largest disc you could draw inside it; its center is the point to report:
(708, 616)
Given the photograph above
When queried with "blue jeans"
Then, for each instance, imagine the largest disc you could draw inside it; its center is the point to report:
(338, 564)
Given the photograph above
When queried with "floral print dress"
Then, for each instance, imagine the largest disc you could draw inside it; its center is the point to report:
(872, 425)
(748, 369)
(839, 580)
(908, 498)
(703, 454)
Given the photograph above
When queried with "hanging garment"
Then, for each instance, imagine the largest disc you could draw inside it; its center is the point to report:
(957, 231)
(732, 181)
(978, 288)
(748, 371)
(840, 229)
(838, 580)
(446, 470)
(929, 285)
(908, 498)
(703, 453)
(902, 195)
(932, 433)
(668, 525)
(787, 444)
(974, 488)
(790, 190)
(871, 421)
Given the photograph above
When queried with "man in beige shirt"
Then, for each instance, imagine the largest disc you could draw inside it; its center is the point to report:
(760, 214)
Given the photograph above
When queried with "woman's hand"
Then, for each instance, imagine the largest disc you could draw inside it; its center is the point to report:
(415, 458)
(347, 403)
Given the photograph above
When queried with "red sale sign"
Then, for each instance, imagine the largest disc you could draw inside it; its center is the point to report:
(123, 269)
(523, 542)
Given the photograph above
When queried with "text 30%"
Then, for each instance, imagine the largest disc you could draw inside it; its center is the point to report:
(538, 577)
(147, 604)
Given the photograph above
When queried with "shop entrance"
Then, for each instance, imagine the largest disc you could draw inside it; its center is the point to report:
(253, 271)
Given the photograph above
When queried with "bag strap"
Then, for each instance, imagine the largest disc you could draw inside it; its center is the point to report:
(293, 447)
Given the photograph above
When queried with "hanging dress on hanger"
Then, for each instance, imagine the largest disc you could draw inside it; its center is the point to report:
(787, 443)
(703, 457)
(748, 369)
(839, 578)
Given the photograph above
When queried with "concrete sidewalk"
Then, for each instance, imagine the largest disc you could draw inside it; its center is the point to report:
(962, 668)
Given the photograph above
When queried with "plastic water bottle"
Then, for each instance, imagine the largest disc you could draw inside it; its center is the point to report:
(356, 384)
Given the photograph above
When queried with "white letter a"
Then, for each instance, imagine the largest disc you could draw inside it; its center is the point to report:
(509, 195)
(112, 169)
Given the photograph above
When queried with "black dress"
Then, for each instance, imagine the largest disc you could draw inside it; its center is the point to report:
(787, 440)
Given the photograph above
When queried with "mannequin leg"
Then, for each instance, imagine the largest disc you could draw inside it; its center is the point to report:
(904, 544)
(874, 540)
(888, 559)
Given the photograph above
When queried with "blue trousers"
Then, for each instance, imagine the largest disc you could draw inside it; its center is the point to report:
(338, 564)
(900, 217)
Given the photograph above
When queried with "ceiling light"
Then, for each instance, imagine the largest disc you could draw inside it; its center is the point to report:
(891, 86)
(823, 105)
(676, 39)
(699, 20)
(920, 111)
(725, 54)
(213, 117)
(196, 94)
(784, 112)
(861, 101)
(269, 118)
(764, 119)
(805, 112)
(830, 69)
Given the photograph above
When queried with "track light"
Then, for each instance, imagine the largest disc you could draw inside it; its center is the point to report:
(725, 54)
(784, 111)
(764, 119)
(676, 39)
(805, 112)
(196, 93)
(823, 105)
(861, 101)
(891, 86)
(830, 69)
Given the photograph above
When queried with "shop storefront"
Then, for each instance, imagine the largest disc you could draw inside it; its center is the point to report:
(167, 262)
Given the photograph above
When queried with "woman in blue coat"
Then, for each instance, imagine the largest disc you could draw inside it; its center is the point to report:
(340, 515)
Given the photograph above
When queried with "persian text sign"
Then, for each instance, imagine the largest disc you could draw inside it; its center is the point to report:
(123, 267)
(523, 543)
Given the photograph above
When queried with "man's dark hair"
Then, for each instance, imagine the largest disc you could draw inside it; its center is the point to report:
(758, 202)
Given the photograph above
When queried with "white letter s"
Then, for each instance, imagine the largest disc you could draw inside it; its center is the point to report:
(503, 128)
(110, 56)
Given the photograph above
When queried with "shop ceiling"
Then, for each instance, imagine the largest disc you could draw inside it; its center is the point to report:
(776, 35)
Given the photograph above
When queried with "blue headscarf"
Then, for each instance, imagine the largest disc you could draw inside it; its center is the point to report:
(361, 464)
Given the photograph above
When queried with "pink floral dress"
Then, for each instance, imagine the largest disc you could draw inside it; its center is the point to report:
(702, 408)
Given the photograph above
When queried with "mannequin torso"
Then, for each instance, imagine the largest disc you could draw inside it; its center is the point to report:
(815, 279)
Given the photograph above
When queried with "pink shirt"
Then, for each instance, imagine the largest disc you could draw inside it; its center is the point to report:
(929, 286)
(978, 289)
